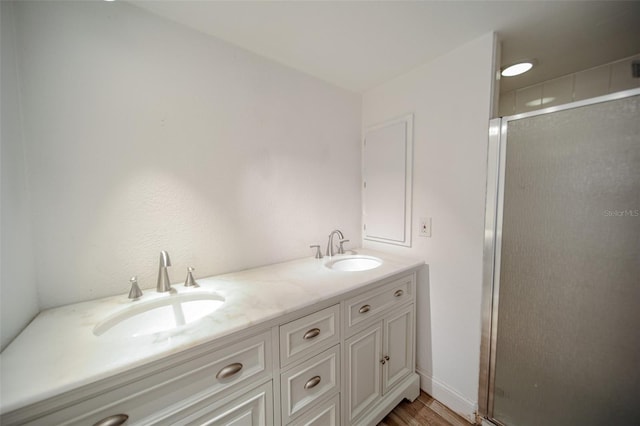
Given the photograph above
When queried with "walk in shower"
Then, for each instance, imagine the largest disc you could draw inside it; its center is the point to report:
(561, 301)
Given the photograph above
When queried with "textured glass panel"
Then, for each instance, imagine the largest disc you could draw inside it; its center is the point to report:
(568, 342)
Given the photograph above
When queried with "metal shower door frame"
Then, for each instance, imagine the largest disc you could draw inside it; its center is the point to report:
(494, 206)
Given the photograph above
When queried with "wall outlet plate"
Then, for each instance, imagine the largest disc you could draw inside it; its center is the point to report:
(425, 227)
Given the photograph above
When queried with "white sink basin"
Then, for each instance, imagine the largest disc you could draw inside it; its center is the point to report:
(164, 313)
(354, 263)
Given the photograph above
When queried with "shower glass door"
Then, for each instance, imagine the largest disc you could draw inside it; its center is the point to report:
(564, 346)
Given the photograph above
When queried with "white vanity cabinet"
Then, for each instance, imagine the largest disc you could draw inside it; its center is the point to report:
(347, 359)
(379, 354)
(373, 333)
(164, 392)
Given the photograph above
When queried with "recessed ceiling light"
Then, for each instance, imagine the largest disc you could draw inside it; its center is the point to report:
(517, 69)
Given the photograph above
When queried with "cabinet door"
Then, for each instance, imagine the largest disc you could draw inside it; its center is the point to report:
(397, 347)
(364, 355)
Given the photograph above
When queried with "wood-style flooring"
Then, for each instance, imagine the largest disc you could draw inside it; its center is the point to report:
(424, 411)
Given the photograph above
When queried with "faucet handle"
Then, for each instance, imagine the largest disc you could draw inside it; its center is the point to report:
(135, 291)
(190, 281)
(341, 249)
(318, 252)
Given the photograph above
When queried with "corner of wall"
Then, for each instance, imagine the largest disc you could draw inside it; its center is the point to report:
(448, 396)
(19, 297)
(449, 185)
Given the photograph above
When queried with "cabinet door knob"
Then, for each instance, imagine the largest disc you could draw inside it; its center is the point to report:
(115, 420)
(383, 361)
(398, 293)
(364, 309)
(314, 332)
(229, 370)
(386, 357)
(312, 382)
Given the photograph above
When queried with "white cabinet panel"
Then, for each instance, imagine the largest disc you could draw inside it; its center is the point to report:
(327, 414)
(309, 335)
(307, 383)
(153, 398)
(251, 409)
(366, 307)
(398, 347)
(364, 355)
(387, 181)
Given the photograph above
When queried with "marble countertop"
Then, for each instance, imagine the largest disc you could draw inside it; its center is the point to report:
(58, 351)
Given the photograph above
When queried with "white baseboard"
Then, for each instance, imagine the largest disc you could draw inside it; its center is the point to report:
(447, 396)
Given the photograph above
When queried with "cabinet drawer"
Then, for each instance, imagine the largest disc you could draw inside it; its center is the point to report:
(310, 334)
(309, 382)
(254, 408)
(152, 398)
(327, 414)
(367, 306)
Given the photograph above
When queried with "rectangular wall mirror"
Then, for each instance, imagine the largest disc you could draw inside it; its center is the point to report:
(387, 176)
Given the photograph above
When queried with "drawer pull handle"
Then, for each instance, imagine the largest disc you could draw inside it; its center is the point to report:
(312, 382)
(364, 309)
(229, 370)
(398, 293)
(115, 420)
(314, 332)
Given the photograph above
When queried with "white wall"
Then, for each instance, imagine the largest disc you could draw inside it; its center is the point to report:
(143, 135)
(451, 99)
(18, 295)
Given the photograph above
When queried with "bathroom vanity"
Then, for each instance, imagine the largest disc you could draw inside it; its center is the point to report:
(296, 343)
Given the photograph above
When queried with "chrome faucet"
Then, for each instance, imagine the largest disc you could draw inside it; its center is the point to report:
(330, 246)
(163, 277)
